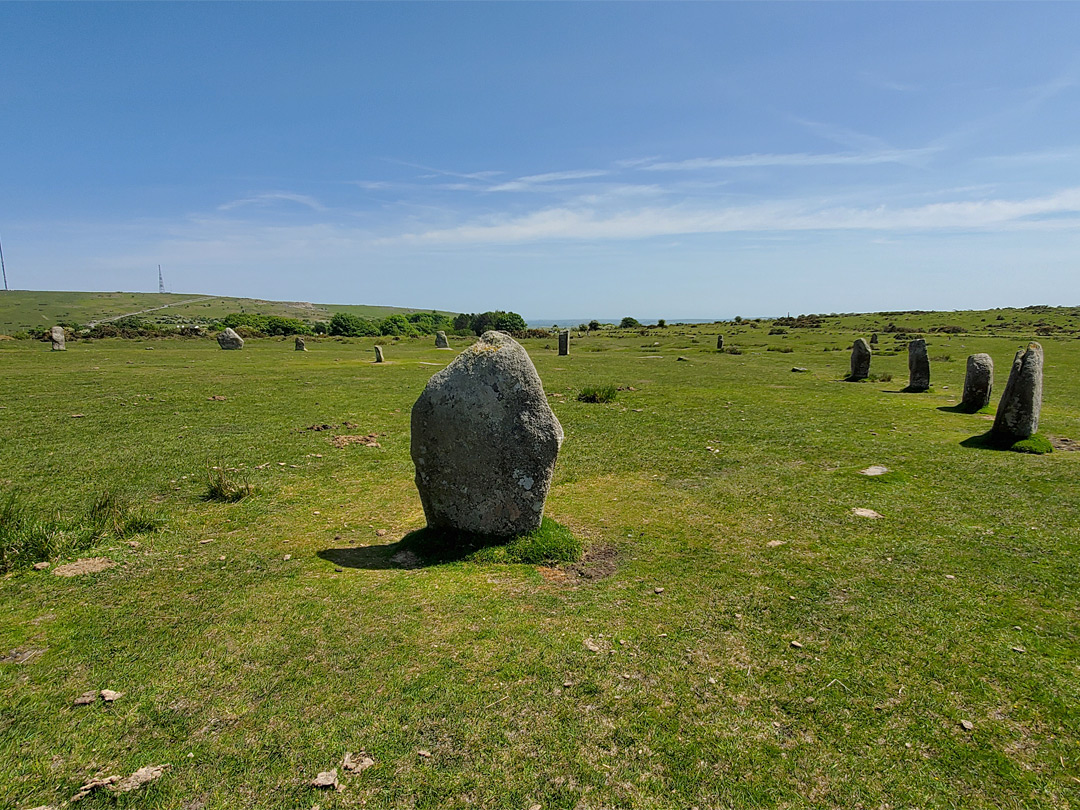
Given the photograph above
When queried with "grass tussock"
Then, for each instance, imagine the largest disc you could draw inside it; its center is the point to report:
(27, 537)
(1035, 444)
(551, 543)
(597, 393)
(223, 486)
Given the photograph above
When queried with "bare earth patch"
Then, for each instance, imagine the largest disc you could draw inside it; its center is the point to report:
(341, 442)
(1061, 443)
(89, 565)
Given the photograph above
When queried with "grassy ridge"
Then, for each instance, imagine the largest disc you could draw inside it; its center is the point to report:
(726, 481)
(24, 310)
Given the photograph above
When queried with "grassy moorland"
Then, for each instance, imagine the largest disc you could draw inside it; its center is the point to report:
(35, 310)
(256, 642)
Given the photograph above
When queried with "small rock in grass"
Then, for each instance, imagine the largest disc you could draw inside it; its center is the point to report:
(423, 754)
(86, 698)
(339, 569)
(222, 558)
(874, 469)
(591, 645)
(1019, 649)
(41, 566)
(967, 725)
(658, 590)
(776, 543)
(950, 576)
(868, 513)
(380, 532)
(108, 695)
(326, 780)
(287, 557)
(796, 645)
(357, 763)
(567, 684)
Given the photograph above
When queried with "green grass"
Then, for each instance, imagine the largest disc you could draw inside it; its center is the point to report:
(713, 502)
(598, 393)
(1036, 444)
(550, 544)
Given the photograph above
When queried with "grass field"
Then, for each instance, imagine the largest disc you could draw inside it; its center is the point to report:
(26, 310)
(255, 643)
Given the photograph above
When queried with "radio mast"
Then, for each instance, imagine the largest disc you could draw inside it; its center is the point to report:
(160, 280)
(2, 266)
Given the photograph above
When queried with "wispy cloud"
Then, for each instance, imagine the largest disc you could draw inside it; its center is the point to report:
(530, 182)
(271, 198)
(481, 175)
(795, 159)
(563, 223)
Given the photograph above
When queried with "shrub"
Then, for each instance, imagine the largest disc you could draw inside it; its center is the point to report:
(603, 393)
(629, 323)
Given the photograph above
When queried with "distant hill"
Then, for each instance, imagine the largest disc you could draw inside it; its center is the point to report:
(22, 310)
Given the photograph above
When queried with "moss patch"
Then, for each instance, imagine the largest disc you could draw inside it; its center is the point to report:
(551, 543)
(1037, 444)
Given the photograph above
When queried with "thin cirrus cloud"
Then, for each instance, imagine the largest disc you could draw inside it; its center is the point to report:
(1061, 209)
(530, 182)
(794, 159)
(271, 198)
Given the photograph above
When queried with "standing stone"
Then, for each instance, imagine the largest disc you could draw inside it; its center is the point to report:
(564, 343)
(1018, 412)
(978, 382)
(378, 354)
(873, 339)
(860, 360)
(229, 339)
(719, 343)
(57, 336)
(440, 341)
(301, 346)
(918, 364)
(485, 440)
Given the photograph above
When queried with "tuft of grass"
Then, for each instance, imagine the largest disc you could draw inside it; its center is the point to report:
(114, 515)
(225, 488)
(597, 393)
(551, 543)
(1036, 444)
(784, 349)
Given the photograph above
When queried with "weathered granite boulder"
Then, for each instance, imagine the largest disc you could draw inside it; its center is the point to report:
(485, 440)
(564, 343)
(378, 354)
(873, 339)
(860, 360)
(719, 343)
(978, 382)
(301, 346)
(440, 341)
(58, 340)
(1018, 412)
(918, 364)
(229, 339)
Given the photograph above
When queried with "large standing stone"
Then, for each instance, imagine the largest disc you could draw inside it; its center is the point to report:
(860, 360)
(301, 346)
(978, 382)
(378, 354)
(1018, 412)
(57, 336)
(440, 341)
(484, 441)
(229, 339)
(564, 343)
(719, 343)
(918, 364)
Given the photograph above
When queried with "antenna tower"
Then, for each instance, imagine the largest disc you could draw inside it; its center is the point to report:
(2, 266)
(160, 280)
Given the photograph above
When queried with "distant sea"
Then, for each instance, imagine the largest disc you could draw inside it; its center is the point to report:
(569, 323)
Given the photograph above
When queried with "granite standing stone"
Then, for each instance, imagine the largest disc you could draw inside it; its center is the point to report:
(1018, 412)
(485, 440)
(564, 343)
(378, 354)
(918, 364)
(719, 343)
(873, 339)
(58, 341)
(301, 346)
(860, 360)
(229, 339)
(978, 382)
(440, 341)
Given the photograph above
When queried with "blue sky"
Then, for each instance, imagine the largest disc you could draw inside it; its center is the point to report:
(561, 160)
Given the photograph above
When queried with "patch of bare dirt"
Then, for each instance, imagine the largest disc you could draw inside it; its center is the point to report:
(600, 561)
(89, 565)
(370, 440)
(21, 656)
(1061, 443)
